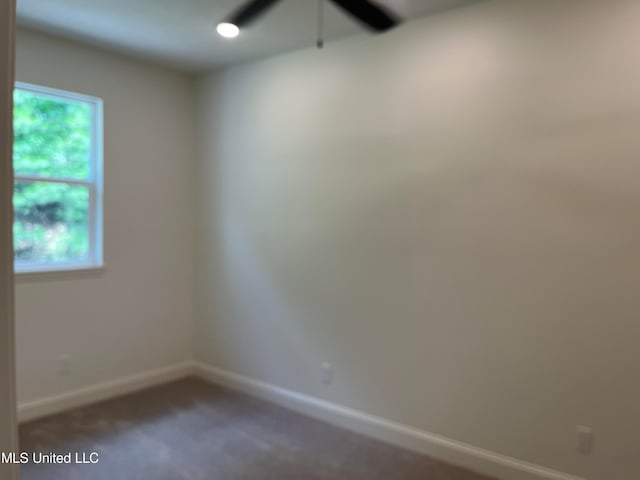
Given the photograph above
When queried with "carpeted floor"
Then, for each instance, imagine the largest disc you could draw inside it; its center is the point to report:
(191, 430)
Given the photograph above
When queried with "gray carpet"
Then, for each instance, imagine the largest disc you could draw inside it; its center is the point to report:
(191, 430)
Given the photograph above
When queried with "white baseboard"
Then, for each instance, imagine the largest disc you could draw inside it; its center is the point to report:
(447, 450)
(103, 391)
(436, 446)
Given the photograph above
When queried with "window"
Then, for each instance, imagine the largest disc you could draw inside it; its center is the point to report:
(57, 198)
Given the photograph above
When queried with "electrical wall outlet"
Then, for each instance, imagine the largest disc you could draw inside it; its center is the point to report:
(64, 364)
(327, 373)
(585, 440)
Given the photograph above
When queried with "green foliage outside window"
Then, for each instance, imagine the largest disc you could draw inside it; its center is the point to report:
(52, 141)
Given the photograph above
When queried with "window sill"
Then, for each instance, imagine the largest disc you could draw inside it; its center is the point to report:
(59, 273)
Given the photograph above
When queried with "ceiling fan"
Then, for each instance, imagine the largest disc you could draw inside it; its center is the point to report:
(372, 15)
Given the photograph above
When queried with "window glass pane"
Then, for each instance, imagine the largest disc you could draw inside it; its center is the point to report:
(51, 222)
(52, 136)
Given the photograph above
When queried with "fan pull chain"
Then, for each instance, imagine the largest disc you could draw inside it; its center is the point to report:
(320, 42)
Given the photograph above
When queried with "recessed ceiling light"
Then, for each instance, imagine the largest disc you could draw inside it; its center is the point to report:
(228, 30)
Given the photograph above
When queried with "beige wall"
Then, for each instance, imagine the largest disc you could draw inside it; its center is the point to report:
(137, 314)
(449, 215)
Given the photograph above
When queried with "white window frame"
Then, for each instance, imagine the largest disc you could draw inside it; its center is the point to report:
(94, 183)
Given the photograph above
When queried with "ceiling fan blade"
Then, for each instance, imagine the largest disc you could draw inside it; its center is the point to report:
(373, 16)
(249, 12)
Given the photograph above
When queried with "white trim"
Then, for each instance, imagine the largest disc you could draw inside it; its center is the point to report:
(56, 93)
(450, 451)
(57, 269)
(97, 191)
(102, 391)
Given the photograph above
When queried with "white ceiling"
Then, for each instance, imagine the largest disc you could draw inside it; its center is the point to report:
(181, 33)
